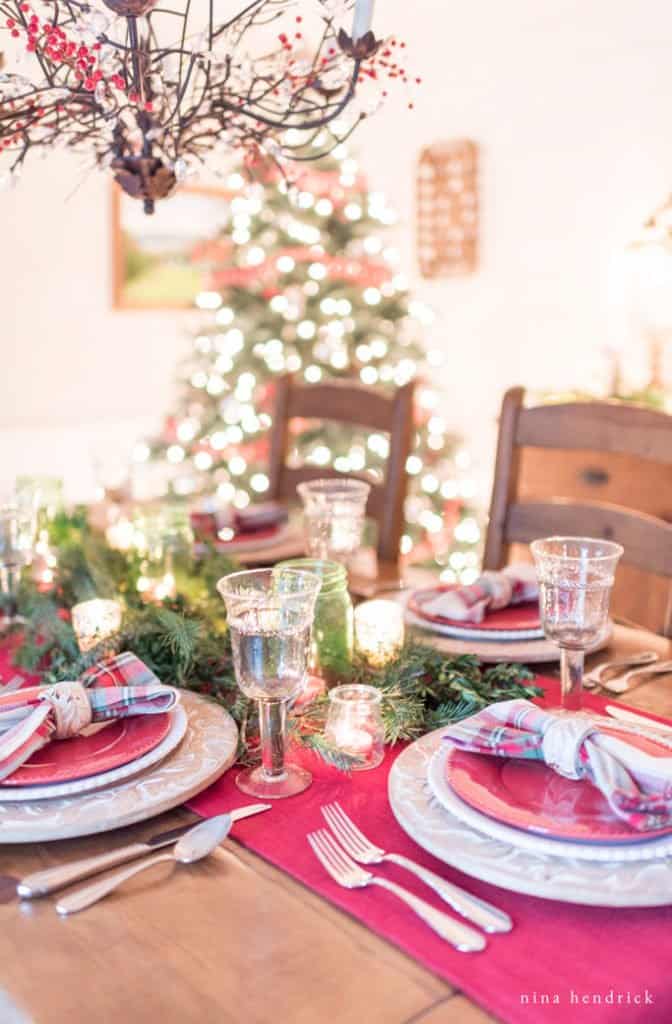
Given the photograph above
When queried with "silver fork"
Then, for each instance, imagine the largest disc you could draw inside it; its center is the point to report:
(348, 874)
(364, 851)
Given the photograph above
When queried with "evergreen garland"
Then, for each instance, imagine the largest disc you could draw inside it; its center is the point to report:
(185, 641)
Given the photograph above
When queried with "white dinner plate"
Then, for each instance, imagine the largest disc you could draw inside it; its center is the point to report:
(53, 790)
(644, 849)
(531, 652)
(571, 879)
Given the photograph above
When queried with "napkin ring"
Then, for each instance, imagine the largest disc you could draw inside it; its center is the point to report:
(71, 707)
(562, 742)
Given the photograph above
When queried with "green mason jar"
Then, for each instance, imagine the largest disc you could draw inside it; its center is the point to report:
(333, 628)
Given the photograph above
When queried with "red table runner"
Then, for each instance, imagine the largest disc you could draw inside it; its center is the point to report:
(561, 963)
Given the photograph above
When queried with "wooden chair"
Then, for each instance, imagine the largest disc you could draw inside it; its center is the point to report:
(346, 401)
(622, 452)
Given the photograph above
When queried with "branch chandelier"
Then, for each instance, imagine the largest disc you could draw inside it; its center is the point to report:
(151, 92)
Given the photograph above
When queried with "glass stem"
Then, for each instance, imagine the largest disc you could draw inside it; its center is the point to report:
(272, 721)
(571, 675)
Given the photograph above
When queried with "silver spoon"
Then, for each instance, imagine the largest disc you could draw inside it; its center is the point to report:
(195, 844)
(628, 682)
(596, 677)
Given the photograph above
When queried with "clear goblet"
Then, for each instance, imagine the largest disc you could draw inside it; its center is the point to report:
(575, 576)
(270, 613)
(17, 537)
(333, 517)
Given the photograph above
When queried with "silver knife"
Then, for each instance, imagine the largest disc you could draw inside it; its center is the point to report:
(40, 883)
(629, 716)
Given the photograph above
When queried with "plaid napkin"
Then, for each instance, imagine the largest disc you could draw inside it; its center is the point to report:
(118, 687)
(637, 785)
(491, 591)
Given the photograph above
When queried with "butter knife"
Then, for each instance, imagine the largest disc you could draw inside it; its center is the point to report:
(40, 883)
(633, 719)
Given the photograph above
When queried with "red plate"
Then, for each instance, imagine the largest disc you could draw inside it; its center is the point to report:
(123, 740)
(515, 617)
(531, 796)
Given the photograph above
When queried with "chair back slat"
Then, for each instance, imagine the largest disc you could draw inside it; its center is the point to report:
(598, 427)
(340, 402)
(647, 541)
(348, 402)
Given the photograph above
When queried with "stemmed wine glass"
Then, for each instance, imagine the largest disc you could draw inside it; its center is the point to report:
(17, 538)
(270, 613)
(575, 576)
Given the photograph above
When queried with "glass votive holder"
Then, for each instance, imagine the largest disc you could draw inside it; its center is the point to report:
(379, 631)
(355, 724)
(333, 517)
(96, 623)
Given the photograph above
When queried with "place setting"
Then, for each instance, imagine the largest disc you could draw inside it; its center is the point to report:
(497, 617)
(108, 749)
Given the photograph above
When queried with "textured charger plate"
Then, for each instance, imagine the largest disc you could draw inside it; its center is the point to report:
(54, 790)
(604, 883)
(530, 652)
(207, 750)
(645, 849)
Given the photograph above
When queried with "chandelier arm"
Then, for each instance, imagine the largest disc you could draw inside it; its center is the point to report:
(182, 91)
(258, 112)
(302, 125)
(337, 141)
(136, 59)
(182, 40)
(241, 14)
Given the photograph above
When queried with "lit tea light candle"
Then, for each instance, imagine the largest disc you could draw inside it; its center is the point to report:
(379, 631)
(351, 740)
(355, 724)
(95, 622)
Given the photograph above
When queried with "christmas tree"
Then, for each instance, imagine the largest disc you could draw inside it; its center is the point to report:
(303, 281)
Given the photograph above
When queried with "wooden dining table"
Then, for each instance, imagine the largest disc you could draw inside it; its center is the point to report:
(225, 941)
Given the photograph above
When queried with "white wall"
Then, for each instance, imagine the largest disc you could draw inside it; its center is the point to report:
(570, 103)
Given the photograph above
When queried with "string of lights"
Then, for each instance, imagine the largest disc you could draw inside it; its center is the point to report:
(303, 280)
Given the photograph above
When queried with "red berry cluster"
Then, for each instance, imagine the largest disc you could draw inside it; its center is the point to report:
(54, 44)
(382, 64)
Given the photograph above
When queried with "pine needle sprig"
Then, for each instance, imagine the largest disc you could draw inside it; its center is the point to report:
(186, 642)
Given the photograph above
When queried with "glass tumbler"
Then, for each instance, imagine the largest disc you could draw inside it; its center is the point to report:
(575, 576)
(270, 614)
(17, 539)
(333, 517)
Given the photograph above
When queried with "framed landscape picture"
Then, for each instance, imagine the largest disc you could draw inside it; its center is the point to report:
(162, 261)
